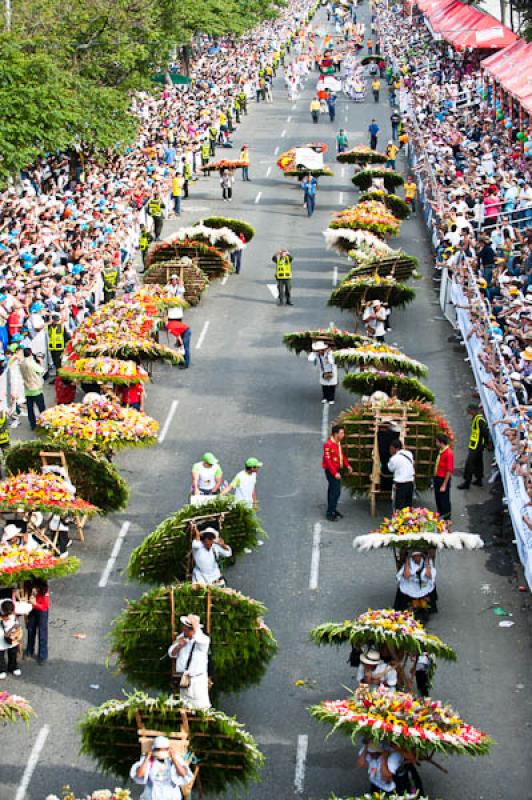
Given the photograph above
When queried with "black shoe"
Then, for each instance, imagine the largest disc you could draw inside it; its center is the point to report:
(289, 303)
(280, 302)
(331, 517)
(478, 483)
(463, 486)
(338, 515)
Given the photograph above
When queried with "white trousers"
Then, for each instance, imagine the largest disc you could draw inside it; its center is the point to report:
(197, 694)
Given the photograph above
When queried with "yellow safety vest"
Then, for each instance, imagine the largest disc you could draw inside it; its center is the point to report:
(474, 439)
(56, 338)
(283, 269)
(205, 150)
(110, 278)
(4, 430)
(144, 242)
(242, 97)
(213, 133)
(154, 208)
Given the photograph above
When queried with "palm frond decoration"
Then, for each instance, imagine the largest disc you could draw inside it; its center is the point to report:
(361, 154)
(163, 556)
(238, 226)
(241, 644)
(371, 59)
(324, 172)
(398, 631)
(354, 293)
(379, 356)
(95, 477)
(392, 383)
(396, 204)
(364, 179)
(210, 260)
(301, 341)
(227, 754)
(131, 348)
(396, 264)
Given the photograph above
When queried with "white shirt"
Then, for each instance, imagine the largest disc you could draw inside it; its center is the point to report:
(378, 323)
(206, 569)
(401, 465)
(327, 364)
(375, 769)
(417, 585)
(386, 673)
(206, 475)
(198, 662)
(244, 485)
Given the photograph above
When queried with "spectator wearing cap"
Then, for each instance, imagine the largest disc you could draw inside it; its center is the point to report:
(32, 372)
(207, 550)
(191, 652)
(206, 476)
(244, 483)
(161, 771)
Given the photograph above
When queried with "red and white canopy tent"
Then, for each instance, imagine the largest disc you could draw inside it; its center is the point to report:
(511, 69)
(465, 26)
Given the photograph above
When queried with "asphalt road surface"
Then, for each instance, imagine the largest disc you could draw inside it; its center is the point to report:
(245, 394)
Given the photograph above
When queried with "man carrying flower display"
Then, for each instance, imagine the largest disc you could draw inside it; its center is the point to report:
(191, 651)
(162, 772)
(382, 766)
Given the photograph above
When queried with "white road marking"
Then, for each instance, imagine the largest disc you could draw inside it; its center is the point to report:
(273, 289)
(114, 555)
(257, 199)
(340, 198)
(324, 422)
(202, 334)
(168, 420)
(335, 276)
(276, 150)
(301, 762)
(289, 119)
(343, 172)
(268, 171)
(315, 559)
(283, 133)
(36, 750)
(294, 106)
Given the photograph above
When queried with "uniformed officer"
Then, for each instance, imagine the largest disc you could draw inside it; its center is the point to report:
(155, 210)
(213, 136)
(283, 275)
(478, 440)
(243, 99)
(111, 276)
(57, 339)
(145, 239)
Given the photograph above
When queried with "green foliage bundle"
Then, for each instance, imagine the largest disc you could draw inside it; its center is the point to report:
(380, 357)
(361, 155)
(399, 265)
(241, 645)
(301, 341)
(238, 226)
(163, 555)
(211, 260)
(354, 293)
(228, 755)
(393, 383)
(364, 179)
(94, 477)
(396, 204)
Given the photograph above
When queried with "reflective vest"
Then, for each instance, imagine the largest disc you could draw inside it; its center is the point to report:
(110, 278)
(205, 150)
(56, 338)
(475, 438)
(4, 430)
(154, 208)
(144, 241)
(283, 269)
(242, 97)
(187, 171)
(213, 133)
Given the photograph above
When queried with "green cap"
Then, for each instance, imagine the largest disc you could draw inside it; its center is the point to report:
(209, 458)
(253, 462)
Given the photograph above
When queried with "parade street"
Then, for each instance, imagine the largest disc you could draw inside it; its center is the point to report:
(246, 395)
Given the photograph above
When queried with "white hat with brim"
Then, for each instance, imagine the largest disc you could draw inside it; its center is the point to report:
(372, 657)
(187, 621)
(318, 346)
(209, 532)
(160, 743)
(11, 532)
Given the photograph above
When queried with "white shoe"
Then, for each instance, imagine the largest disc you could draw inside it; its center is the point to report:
(23, 412)
(3, 676)
(15, 423)
(331, 402)
(260, 542)
(17, 673)
(324, 401)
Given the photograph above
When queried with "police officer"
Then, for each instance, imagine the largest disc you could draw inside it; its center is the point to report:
(155, 210)
(243, 99)
(145, 239)
(283, 275)
(57, 339)
(478, 440)
(213, 135)
(111, 276)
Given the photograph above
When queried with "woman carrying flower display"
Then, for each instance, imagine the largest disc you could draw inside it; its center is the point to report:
(417, 584)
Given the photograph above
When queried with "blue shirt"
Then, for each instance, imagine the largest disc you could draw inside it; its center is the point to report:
(374, 129)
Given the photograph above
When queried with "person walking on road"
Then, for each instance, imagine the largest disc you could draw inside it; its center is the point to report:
(401, 465)
(410, 190)
(177, 190)
(376, 88)
(309, 186)
(38, 620)
(191, 652)
(226, 182)
(244, 484)
(161, 771)
(283, 275)
(206, 476)
(442, 476)
(341, 141)
(373, 130)
(322, 356)
(333, 462)
(183, 334)
(331, 106)
(207, 550)
(478, 440)
(155, 210)
(395, 119)
(382, 766)
(145, 239)
(391, 154)
(244, 157)
(32, 372)
(315, 108)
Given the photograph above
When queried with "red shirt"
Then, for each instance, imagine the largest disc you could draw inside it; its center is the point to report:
(333, 457)
(132, 394)
(445, 462)
(41, 602)
(177, 328)
(64, 392)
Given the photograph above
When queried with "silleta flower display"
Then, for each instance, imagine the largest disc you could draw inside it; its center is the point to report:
(420, 527)
(33, 491)
(18, 563)
(104, 370)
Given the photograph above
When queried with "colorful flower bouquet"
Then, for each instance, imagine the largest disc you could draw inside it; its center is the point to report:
(224, 239)
(398, 630)
(396, 204)
(363, 244)
(354, 293)
(32, 491)
(379, 356)
(287, 163)
(104, 370)
(396, 264)
(369, 216)
(19, 564)
(97, 794)
(361, 154)
(225, 163)
(418, 725)
(101, 423)
(417, 527)
(211, 260)
(154, 294)
(238, 226)
(301, 341)
(13, 708)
